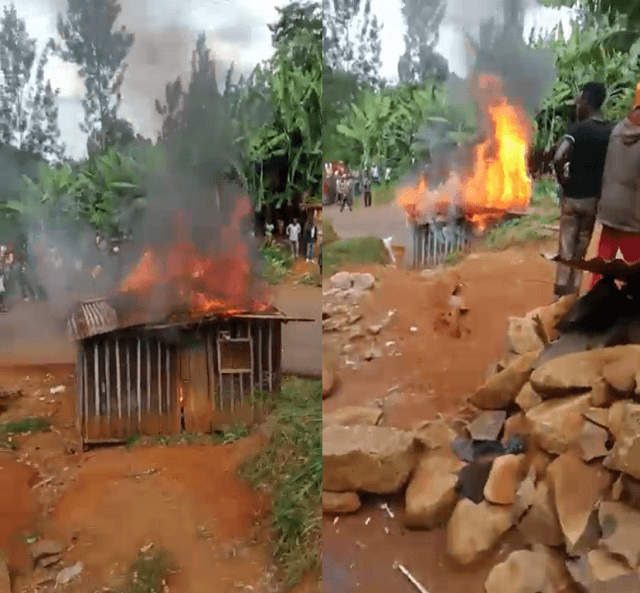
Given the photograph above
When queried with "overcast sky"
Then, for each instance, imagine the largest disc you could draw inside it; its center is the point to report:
(165, 33)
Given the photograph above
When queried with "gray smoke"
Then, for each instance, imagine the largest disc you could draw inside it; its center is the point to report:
(495, 46)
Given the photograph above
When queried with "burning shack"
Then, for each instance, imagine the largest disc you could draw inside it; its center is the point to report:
(186, 343)
(192, 374)
(484, 183)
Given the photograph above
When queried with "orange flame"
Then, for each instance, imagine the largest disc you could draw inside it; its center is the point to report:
(636, 98)
(202, 282)
(498, 180)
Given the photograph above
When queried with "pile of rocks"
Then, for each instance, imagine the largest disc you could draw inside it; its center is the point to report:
(552, 451)
(342, 318)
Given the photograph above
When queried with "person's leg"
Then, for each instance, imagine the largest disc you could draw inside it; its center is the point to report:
(568, 236)
(607, 249)
(586, 209)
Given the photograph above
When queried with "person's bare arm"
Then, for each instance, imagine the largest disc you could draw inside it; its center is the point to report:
(562, 158)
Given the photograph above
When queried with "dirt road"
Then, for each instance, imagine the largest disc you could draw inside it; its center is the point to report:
(301, 342)
(421, 373)
(30, 333)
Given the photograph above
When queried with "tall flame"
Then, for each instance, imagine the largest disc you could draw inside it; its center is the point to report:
(202, 282)
(498, 179)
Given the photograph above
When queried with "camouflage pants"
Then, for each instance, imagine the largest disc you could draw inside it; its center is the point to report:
(577, 220)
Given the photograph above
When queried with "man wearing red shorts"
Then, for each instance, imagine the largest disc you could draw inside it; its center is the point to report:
(619, 206)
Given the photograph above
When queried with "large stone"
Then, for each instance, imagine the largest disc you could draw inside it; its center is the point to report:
(504, 479)
(620, 528)
(598, 572)
(540, 524)
(525, 495)
(556, 423)
(577, 489)
(552, 315)
(5, 579)
(475, 528)
(334, 503)
(341, 281)
(435, 434)
(487, 425)
(593, 441)
(352, 415)
(363, 281)
(431, 494)
(615, 420)
(46, 547)
(516, 425)
(621, 374)
(527, 398)
(367, 458)
(578, 371)
(501, 390)
(523, 335)
(625, 456)
(523, 571)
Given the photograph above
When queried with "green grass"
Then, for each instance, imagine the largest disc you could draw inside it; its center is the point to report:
(329, 234)
(356, 251)
(311, 279)
(530, 228)
(383, 194)
(148, 572)
(278, 262)
(290, 467)
(25, 426)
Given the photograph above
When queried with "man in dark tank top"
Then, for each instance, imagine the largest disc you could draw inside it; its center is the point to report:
(579, 165)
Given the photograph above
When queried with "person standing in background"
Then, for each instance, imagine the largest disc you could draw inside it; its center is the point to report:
(310, 236)
(579, 165)
(367, 191)
(619, 207)
(293, 233)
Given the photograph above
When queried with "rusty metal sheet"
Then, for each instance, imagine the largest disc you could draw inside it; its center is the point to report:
(92, 318)
(618, 268)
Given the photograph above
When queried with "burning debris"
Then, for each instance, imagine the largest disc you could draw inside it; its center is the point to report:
(445, 213)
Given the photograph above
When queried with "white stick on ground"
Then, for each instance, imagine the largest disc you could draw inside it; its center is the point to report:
(413, 580)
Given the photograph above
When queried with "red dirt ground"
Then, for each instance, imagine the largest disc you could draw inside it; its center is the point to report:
(109, 503)
(435, 371)
(433, 374)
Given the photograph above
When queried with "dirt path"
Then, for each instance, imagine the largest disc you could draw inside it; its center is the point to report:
(422, 372)
(107, 504)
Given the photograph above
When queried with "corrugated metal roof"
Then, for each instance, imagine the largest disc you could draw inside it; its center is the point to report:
(95, 317)
(91, 318)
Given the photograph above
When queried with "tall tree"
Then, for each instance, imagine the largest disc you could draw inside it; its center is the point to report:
(351, 39)
(90, 41)
(28, 110)
(298, 31)
(419, 61)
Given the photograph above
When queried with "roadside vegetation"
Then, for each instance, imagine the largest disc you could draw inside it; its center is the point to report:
(290, 469)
